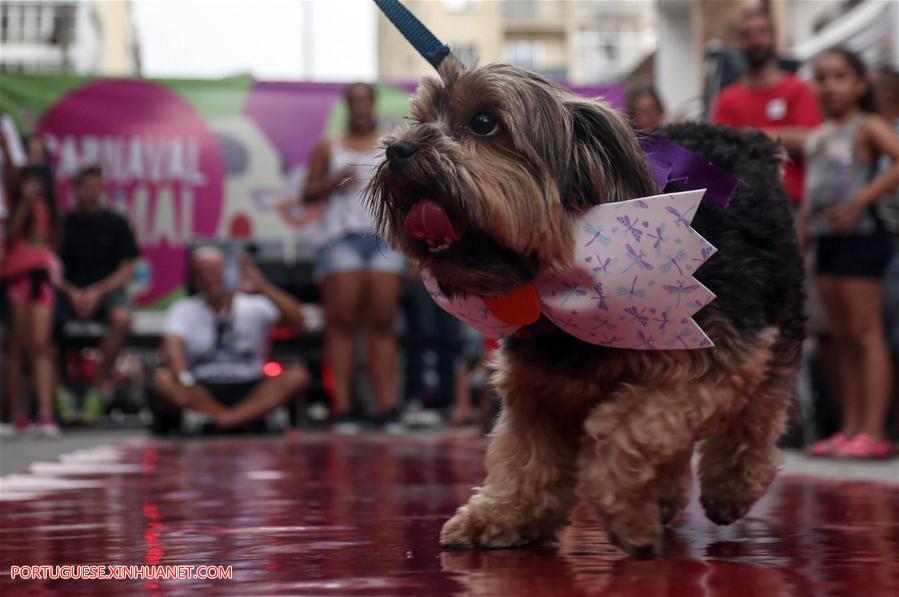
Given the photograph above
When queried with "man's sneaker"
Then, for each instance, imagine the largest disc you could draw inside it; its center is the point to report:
(94, 407)
(278, 420)
(390, 423)
(47, 427)
(345, 424)
(194, 422)
(65, 405)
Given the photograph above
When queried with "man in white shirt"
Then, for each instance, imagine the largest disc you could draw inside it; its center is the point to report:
(215, 342)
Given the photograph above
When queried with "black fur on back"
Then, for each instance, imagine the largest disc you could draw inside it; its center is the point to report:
(757, 272)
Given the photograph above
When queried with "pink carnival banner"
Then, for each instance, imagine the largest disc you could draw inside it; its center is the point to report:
(186, 160)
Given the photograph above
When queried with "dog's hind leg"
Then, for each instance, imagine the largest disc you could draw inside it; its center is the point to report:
(639, 430)
(738, 464)
(529, 491)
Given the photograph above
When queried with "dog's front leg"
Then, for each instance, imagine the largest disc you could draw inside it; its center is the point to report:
(529, 490)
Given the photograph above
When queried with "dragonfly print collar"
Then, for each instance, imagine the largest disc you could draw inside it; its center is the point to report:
(632, 284)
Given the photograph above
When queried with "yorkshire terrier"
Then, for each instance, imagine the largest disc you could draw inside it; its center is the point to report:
(510, 160)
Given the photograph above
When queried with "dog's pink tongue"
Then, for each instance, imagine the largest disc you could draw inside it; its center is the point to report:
(428, 221)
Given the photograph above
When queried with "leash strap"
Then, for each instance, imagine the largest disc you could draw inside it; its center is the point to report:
(424, 42)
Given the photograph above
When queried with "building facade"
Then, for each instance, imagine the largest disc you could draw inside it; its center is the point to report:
(86, 37)
(580, 42)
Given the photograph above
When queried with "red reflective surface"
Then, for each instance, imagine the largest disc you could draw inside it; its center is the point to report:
(313, 514)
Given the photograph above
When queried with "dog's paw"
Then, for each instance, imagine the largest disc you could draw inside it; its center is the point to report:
(724, 510)
(669, 507)
(470, 528)
(641, 538)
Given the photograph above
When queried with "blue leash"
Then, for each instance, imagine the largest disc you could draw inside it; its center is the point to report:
(424, 42)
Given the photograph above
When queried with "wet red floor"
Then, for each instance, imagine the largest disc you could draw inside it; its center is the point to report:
(329, 515)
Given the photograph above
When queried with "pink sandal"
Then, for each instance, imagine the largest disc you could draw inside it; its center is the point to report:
(865, 447)
(827, 446)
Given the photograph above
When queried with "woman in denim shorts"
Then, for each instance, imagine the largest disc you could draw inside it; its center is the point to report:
(359, 276)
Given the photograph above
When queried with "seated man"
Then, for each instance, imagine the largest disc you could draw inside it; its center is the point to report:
(98, 253)
(214, 345)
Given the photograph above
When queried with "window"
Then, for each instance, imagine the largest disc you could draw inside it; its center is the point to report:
(37, 23)
(518, 10)
(526, 53)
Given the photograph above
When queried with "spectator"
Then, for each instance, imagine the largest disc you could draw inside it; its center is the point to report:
(29, 270)
(777, 102)
(214, 345)
(360, 277)
(37, 150)
(886, 88)
(645, 109)
(464, 412)
(98, 253)
(853, 246)
(429, 326)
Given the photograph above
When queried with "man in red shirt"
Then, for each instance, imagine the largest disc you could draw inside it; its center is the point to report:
(768, 98)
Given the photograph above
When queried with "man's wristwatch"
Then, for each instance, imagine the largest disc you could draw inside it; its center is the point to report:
(186, 379)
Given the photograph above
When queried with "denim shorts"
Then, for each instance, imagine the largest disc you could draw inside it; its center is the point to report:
(357, 252)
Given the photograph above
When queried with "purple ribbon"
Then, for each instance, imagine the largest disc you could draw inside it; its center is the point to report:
(670, 162)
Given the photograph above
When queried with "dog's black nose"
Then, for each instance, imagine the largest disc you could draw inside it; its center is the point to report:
(400, 152)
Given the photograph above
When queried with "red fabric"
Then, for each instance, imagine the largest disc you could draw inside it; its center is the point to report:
(741, 107)
(23, 256)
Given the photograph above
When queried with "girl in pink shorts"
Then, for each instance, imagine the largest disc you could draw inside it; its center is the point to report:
(28, 272)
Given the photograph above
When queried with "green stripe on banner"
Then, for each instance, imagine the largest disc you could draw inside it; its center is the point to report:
(25, 97)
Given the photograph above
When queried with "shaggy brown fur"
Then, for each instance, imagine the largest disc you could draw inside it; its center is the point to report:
(616, 427)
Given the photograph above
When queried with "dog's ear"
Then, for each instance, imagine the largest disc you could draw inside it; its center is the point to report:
(605, 163)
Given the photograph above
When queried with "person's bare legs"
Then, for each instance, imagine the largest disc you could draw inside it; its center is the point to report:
(341, 298)
(18, 350)
(43, 374)
(380, 313)
(846, 374)
(196, 398)
(118, 327)
(265, 397)
(867, 342)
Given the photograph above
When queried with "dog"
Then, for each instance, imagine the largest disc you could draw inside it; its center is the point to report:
(509, 160)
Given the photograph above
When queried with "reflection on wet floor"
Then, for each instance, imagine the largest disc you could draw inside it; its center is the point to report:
(316, 514)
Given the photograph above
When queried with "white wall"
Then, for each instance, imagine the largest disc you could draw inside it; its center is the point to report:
(677, 63)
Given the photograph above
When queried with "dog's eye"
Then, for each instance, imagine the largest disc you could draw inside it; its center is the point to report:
(484, 124)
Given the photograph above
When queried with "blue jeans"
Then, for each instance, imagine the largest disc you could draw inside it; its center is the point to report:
(357, 252)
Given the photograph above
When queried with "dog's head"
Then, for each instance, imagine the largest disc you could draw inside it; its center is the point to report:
(482, 186)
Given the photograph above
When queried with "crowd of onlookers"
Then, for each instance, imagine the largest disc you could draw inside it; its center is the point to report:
(55, 267)
(839, 134)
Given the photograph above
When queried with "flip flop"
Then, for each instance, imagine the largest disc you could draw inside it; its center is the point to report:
(865, 447)
(827, 446)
